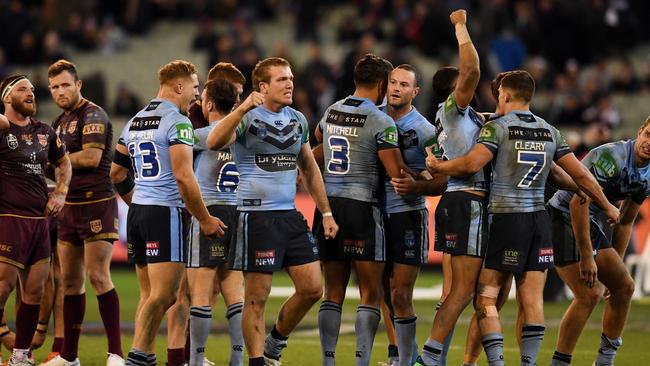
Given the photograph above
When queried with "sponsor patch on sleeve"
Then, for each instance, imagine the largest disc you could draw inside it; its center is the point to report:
(185, 133)
(92, 128)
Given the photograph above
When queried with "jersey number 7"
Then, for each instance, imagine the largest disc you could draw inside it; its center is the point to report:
(537, 161)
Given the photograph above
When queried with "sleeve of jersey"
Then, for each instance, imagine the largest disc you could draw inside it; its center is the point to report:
(430, 139)
(200, 137)
(601, 162)
(95, 128)
(305, 128)
(386, 137)
(562, 148)
(181, 132)
(240, 131)
(57, 148)
(452, 109)
(489, 137)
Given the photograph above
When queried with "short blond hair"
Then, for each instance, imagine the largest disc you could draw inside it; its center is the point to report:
(261, 70)
(176, 69)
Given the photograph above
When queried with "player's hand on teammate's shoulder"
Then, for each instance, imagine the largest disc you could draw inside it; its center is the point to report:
(55, 203)
(330, 227)
(458, 17)
(431, 161)
(213, 227)
(253, 100)
(404, 185)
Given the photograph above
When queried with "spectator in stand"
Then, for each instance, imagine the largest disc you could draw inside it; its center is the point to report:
(126, 102)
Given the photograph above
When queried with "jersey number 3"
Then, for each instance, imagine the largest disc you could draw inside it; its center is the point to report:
(148, 166)
(536, 160)
(340, 159)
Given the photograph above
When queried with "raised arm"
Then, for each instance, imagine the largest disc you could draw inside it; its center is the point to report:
(316, 188)
(468, 61)
(588, 184)
(224, 133)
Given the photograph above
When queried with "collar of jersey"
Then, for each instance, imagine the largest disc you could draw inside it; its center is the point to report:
(168, 103)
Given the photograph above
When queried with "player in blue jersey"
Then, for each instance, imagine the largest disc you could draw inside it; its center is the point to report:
(156, 145)
(405, 213)
(356, 137)
(270, 141)
(218, 179)
(588, 252)
(461, 215)
(520, 240)
(229, 283)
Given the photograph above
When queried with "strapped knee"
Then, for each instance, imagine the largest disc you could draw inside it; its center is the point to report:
(491, 292)
(486, 312)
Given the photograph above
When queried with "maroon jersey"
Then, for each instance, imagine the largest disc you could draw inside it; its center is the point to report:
(24, 154)
(196, 116)
(85, 127)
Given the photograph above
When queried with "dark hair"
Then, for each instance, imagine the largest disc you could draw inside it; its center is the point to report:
(176, 69)
(521, 84)
(412, 69)
(261, 71)
(60, 66)
(222, 93)
(443, 82)
(228, 71)
(496, 83)
(371, 70)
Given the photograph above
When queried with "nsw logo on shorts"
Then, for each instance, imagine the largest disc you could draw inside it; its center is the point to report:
(353, 246)
(153, 249)
(265, 257)
(545, 255)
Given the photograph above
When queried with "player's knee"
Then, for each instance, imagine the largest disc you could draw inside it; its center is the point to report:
(312, 294)
(5, 290)
(487, 296)
(161, 301)
(255, 302)
(401, 297)
(625, 290)
(486, 311)
(589, 297)
(99, 280)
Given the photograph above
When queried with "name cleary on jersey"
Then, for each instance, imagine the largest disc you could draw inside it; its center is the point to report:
(530, 145)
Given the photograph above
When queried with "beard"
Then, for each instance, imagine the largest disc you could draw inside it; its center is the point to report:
(26, 109)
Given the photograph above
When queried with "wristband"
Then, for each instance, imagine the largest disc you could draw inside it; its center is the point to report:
(327, 214)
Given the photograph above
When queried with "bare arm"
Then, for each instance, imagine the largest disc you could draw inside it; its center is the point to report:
(120, 173)
(559, 179)
(425, 185)
(467, 164)
(468, 71)
(392, 160)
(623, 230)
(87, 158)
(588, 184)
(224, 133)
(581, 232)
(316, 188)
(317, 151)
(62, 173)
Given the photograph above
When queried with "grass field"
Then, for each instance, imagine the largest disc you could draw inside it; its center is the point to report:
(304, 346)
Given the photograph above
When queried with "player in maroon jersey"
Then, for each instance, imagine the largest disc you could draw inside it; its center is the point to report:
(89, 224)
(26, 148)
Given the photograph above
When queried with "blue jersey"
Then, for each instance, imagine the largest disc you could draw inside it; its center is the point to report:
(215, 171)
(458, 130)
(613, 166)
(415, 133)
(354, 130)
(266, 153)
(523, 146)
(148, 137)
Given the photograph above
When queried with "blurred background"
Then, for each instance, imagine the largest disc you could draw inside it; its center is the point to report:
(590, 58)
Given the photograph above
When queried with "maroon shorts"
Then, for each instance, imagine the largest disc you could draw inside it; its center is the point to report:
(27, 243)
(85, 222)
